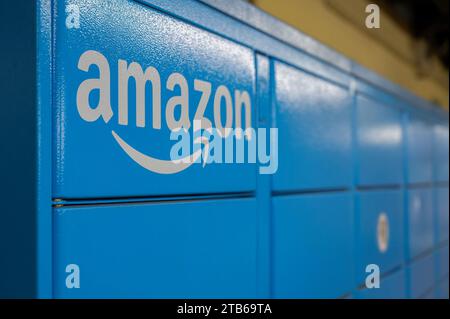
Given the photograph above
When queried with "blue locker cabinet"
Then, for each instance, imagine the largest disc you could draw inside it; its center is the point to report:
(304, 264)
(379, 138)
(95, 94)
(177, 64)
(420, 148)
(313, 127)
(159, 250)
(379, 232)
(420, 228)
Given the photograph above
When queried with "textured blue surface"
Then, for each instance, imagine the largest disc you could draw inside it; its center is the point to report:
(88, 162)
(420, 149)
(44, 238)
(268, 24)
(314, 125)
(166, 250)
(351, 144)
(263, 193)
(420, 216)
(313, 247)
(369, 206)
(379, 142)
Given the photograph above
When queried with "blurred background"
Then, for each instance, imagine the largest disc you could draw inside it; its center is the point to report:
(410, 48)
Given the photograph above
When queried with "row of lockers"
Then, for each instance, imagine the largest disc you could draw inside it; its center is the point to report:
(349, 152)
(333, 127)
(336, 133)
(321, 245)
(391, 145)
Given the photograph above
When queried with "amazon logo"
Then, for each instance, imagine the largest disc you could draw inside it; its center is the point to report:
(236, 106)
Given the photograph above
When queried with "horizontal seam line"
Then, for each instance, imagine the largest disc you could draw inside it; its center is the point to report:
(147, 200)
(428, 253)
(311, 191)
(378, 187)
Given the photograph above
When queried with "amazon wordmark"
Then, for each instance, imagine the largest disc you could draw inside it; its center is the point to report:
(177, 106)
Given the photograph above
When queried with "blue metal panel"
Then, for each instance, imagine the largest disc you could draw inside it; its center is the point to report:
(185, 249)
(313, 246)
(372, 207)
(44, 246)
(420, 221)
(263, 193)
(420, 149)
(268, 24)
(421, 277)
(213, 20)
(88, 159)
(442, 212)
(391, 287)
(442, 262)
(443, 289)
(441, 144)
(314, 122)
(277, 39)
(379, 142)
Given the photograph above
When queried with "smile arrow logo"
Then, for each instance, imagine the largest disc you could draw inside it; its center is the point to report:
(163, 166)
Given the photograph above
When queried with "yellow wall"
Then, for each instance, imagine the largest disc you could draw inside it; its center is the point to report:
(389, 51)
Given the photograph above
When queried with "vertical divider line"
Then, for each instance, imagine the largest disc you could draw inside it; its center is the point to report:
(54, 14)
(273, 123)
(263, 191)
(44, 102)
(434, 210)
(405, 121)
(353, 189)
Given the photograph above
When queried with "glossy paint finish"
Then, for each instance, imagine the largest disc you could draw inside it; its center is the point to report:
(379, 142)
(420, 149)
(268, 24)
(313, 246)
(263, 191)
(88, 162)
(370, 205)
(313, 117)
(44, 238)
(268, 236)
(420, 218)
(166, 250)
